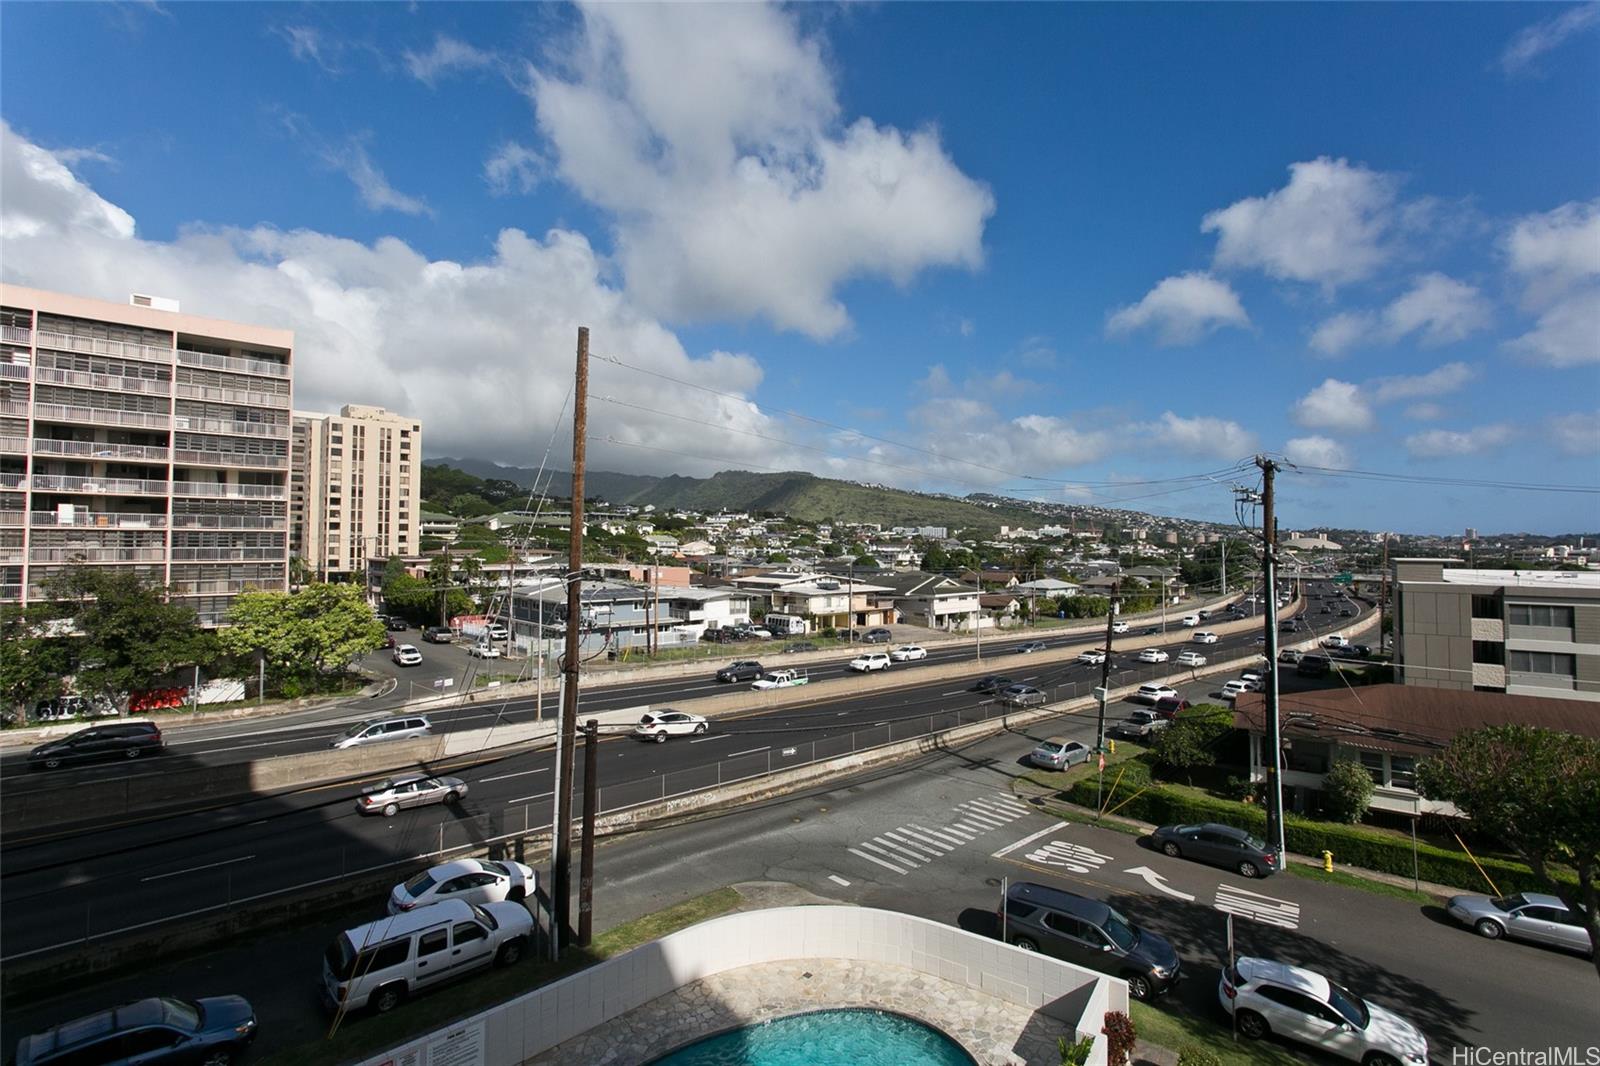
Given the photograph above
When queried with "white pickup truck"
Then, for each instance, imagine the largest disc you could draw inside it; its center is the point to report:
(780, 679)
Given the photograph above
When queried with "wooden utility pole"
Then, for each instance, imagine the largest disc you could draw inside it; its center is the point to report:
(1100, 722)
(567, 731)
(1269, 564)
(591, 786)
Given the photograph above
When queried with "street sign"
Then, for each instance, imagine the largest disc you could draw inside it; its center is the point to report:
(1344, 578)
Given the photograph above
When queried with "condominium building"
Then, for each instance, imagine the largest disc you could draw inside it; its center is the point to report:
(356, 489)
(1524, 632)
(138, 437)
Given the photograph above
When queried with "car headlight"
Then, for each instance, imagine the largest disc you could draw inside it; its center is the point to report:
(1160, 971)
(1418, 1057)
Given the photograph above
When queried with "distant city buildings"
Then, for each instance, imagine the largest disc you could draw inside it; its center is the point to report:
(356, 489)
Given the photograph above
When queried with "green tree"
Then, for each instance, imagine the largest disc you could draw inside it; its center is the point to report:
(833, 549)
(302, 636)
(1346, 791)
(448, 598)
(1190, 742)
(1538, 792)
(470, 505)
(36, 659)
(404, 593)
(935, 560)
(778, 557)
(867, 561)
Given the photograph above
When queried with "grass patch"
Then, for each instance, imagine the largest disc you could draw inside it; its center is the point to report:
(1350, 880)
(1174, 1028)
(364, 1035)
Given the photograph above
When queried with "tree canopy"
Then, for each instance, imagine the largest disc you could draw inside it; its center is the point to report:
(319, 629)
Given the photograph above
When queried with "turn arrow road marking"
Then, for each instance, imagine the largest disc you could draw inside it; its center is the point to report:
(1156, 882)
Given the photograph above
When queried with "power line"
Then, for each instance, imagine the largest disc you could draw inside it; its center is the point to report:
(1478, 483)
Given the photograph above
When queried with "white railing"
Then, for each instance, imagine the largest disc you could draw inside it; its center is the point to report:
(13, 445)
(16, 334)
(13, 407)
(54, 412)
(228, 521)
(97, 346)
(227, 555)
(218, 394)
(15, 371)
(233, 363)
(97, 450)
(12, 481)
(97, 555)
(226, 586)
(10, 519)
(116, 485)
(271, 462)
(196, 424)
(207, 488)
(106, 519)
(108, 382)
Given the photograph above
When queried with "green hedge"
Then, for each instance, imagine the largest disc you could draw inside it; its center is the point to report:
(1352, 845)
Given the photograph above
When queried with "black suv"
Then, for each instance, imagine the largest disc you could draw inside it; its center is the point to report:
(1088, 933)
(743, 670)
(125, 740)
(877, 636)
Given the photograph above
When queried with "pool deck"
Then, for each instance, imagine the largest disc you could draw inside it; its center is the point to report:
(993, 1031)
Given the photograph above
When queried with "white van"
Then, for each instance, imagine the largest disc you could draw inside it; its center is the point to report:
(379, 964)
(377, 730)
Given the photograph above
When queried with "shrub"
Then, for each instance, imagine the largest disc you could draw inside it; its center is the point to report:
(1120, 1038)
(1074, 1054)
(1195, 1055)
(1346, 791)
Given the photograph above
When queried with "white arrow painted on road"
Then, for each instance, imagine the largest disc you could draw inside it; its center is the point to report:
(1157, 882)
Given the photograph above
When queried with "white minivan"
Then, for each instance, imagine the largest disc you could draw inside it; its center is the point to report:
(381, 963)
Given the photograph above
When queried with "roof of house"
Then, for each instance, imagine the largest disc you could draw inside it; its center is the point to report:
(1046, 584)
(918, 583)
(1406, 718)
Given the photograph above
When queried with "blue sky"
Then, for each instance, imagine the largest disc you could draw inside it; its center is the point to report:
(1053, 250)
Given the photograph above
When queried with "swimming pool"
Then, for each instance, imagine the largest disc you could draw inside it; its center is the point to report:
(855, 1037)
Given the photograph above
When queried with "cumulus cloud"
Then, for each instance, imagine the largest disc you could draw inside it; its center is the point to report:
(513, 168)
(1339, 333)
(447, 56)
(1577, 434)
(1438, 308)
(713, 136)
(1317, 451)
(1424, 412)
(1533, 41)
(1446, 443)
(43, 197)
(1203, 435)
(1330, 225)
(1556, 256)
(1182, 309)
(1337, 405)
(1437, 382)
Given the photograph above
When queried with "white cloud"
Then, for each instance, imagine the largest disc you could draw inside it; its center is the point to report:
(1329, 225)
(1533, 41)
(513, 168)
(1203, 436)
(1566, 335)
(1336, 405)
(1341, 332)
(712, 133)
(1576, 434)
(42, 196)
(966, 327)
(1424, 412)
(1036, 350)
(1437, 382)
(1182, 309)
(1440, 308)
(350, 158)
(1557, 256)
(447, 56)
(308, 43)
(1317, 451)
(1446, 443)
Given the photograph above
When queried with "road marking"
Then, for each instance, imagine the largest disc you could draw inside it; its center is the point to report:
(519, 773)
(1010, 814)
(1029, 839)
(920, 851)
(1268, 910)
(977, 829)
(1157, 882)
(526, 799)
(841, 882)
(892, 849)
(956, 692)
(922, 840)
(880, 862)
(1069, 856)
(987, 820)
(966, 835)
(939, 834)
(752, 751)
(197, 869)
(716, 736)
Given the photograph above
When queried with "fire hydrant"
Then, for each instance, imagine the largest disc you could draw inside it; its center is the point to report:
(1111, 746)
(1327, 861)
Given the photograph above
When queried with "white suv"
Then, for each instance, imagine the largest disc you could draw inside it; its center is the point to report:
(869, 661)
(1299, 1004)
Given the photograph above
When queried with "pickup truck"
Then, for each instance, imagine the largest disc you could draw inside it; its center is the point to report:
(1139, 725)
(780, 679)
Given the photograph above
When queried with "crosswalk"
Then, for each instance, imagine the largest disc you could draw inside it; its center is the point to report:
(912, 845)
(1240, 901)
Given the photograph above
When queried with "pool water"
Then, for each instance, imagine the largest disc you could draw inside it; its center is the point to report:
(826, 1038)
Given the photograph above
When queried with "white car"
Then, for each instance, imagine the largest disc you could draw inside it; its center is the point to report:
(869, 661)
(780, 679)
(407, 655)
(1094, 657)
(1232, 690)
(496, 631)
(1204, 637)
(484, 651)
(1299, 1004)
(473, 880)
(1153, 655)
(1254, 680)
(1152, 693)
(1334, 640)
(1191, 620)
(659, 725)
(1191, 658)
(908, 653)
(1119, 627)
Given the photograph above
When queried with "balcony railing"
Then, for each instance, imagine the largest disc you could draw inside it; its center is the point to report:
(117, 486)
(226, 586)
(266, 462)
(12, 481)
(97, 555)
(209, 488)
(101, 519)
(97, 346)
(10, 519)
(100, 416)
(108, 382)
(10, 593)
(228, 555)
(196, 424)
(16, 334)
(15, 371)
(216, 394)
(14, 407)
(233, 363)
(229, 521)
(97, 450)
(13, 445)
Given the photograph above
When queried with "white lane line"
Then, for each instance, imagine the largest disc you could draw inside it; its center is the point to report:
(955, 839)
(956, 692)
(841, 882)
(916, 848)
(526, 799)
(519, 773)
(1009, 804)
(984, 819)
(715, 736)
(752, 751)
(975, 830)
(197, 869)
(923, 840)
(994, 810)
(880, 862)
(894, 850)
(966, 836)
(886, 853)
(1029, 839)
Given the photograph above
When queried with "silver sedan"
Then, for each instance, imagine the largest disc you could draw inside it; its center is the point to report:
(1530, 916)
(1058, 753)
(389, 797)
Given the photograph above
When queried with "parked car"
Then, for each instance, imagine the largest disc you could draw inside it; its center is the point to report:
(1140, 725)
(659, 725)
(472, 880)
(397, 625)
(743, 670)
(376, 730)
(1219, 845)
(481, 650)
(1031, 646)
(1530, 916)
(1151, 693)
(496, 631)
(406, 655)
(1119, 627)
(381, 963)
(68, 708)
(1094, 657)
(722, 636)
(1191, 658)
(799, 646)
(877, 635)
(1058, 753)
(907, 653)
(1313, 666)
(212, 1029)
(1153, 655)
(991, 684)
(114, 740)
(390, 797)
(436, 634)
(756, 633)
(1299, 1004)
(1089, 933)
(1289, 655)
(1167, 707)
(1204, 636)
(1232, 690)
(868, 661)
(1022, 696)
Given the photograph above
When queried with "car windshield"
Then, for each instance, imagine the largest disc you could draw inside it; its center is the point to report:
(182, 1014)
(1509, 903)
(1121, 932)
(1348, 1004)
(356, 729)
(419, 884)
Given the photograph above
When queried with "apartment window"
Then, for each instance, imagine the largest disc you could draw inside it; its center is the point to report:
(1403, 771)
(1372, 763)
(1545, 616)
(1554, 664)
(1486, 607)
(1489, 652)
(335, 451)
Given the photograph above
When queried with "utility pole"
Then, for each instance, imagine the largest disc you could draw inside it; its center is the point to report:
(1269, 565)
(591, 769)
(1224, 566)
(567, 729)
(1100, 723)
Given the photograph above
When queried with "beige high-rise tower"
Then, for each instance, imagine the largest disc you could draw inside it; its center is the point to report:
(136, 437)
(356, 489)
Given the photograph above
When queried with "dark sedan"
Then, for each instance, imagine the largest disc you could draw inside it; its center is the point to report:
(1219, 845)
(1086, 932)
(1031, 646)
(743, 670)
(213, 1030)
(992, 683)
